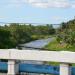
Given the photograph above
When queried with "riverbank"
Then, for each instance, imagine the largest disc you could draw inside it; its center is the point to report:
(55, 46)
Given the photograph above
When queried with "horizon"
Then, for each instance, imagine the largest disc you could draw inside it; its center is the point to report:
(34, 24)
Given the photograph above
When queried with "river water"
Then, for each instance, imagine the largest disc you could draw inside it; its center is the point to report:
(38, 44)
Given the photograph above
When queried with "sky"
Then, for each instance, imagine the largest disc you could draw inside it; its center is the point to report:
(37, 11)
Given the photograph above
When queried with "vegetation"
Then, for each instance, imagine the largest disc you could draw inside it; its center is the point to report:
(65, 37)
(14, 34)
(56, 46)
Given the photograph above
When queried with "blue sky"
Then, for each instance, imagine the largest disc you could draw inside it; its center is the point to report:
(37, 11)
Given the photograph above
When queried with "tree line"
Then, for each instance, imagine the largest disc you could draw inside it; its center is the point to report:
(14, 34)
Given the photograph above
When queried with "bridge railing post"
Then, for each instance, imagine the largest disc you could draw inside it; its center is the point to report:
(65, 69)
(12, 67)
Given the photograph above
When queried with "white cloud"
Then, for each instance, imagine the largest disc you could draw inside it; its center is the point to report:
(2, 17)
(73, 4)
(56, 17)
(50, 3)
(14, 3)
(59, 18)
(44, 3)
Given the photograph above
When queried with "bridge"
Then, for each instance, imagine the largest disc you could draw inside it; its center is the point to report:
(65, 59)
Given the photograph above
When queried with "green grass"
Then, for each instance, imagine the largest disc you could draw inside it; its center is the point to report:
(41, 36)
(55, 46)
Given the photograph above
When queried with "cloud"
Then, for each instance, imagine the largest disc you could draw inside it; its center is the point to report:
(56, 17)
(11, 3)
(2, 17)
(50, 3)
(59, 18)
(73, 4)
(44, 3)
(15, 3)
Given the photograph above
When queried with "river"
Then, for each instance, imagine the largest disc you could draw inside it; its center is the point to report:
(37, 44)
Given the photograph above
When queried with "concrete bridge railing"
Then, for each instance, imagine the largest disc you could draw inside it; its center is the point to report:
(65, 58)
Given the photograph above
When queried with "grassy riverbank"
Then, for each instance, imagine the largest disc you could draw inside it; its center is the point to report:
(55, 46)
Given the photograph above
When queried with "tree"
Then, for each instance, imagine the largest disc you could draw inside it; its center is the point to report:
(5, 41)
